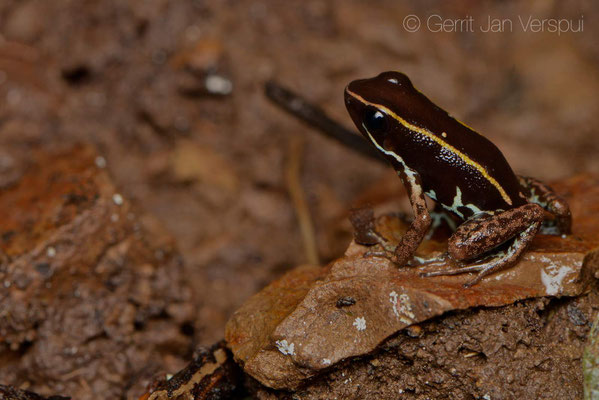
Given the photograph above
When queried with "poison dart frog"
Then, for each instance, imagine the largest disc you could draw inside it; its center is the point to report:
(498, 213)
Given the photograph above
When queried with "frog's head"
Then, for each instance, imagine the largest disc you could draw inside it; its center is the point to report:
(375, 104)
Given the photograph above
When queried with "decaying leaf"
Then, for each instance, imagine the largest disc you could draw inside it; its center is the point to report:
(294, 328)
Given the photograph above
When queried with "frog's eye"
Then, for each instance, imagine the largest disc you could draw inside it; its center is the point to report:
(375, 121)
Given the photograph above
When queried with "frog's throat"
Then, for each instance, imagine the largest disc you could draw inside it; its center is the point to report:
(425, 132)
(410, 173)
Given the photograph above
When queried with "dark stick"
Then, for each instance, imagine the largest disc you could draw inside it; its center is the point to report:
(316, 117)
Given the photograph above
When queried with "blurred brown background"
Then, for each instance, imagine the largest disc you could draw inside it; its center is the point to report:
(128, 77)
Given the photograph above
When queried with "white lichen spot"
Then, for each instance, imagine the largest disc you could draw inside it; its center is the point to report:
(552, 277)
(393, 299)
(406, 306)
(505, 274)
(486, 397)
(360, 323)
(326, 361)
(51, 252)
(100, 162)
(402, 307)
(286, 348)
(117, 199)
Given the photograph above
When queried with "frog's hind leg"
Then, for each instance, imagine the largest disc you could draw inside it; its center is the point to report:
(539, 193)
(482, 234)
(498, 261)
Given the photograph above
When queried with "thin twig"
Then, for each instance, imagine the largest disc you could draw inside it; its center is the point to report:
(296, 192)
(317, 118)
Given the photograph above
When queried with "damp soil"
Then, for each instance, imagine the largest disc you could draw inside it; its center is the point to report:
(207, 167)
(531, 350)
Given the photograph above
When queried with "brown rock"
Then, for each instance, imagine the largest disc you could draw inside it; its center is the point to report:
(295, 328)
(10, 393)
(212, 375)
(527, 350)
(87, 287)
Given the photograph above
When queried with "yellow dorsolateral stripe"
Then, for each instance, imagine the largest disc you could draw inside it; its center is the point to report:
(442, 143)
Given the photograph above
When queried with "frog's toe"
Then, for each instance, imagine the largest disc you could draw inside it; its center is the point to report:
(483, 272)
(435, 261)
(454, 271)
(389, 255)
(484, 269)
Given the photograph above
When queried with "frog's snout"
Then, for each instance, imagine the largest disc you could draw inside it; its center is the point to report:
(354, 107)
(348, 96)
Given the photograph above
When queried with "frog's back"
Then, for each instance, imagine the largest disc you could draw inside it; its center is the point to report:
(459, 168)
(465, 172)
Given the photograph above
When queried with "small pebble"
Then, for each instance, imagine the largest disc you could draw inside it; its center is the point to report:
(100, 162)
(345, 301)
(217, 84)
(51, 252)
(44, 269)
(414, 331)
(118, 199)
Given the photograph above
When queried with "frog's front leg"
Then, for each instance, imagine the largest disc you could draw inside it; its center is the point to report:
(539, 193)
(419, 227)
(482, 234)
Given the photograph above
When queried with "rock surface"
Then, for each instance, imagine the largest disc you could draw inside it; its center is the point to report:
(88, 288)
(313, 317)
(527, 350)
(10, 393)
(212, 375)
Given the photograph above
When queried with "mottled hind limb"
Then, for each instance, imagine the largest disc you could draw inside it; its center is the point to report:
(481, 235)
(539, 193)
